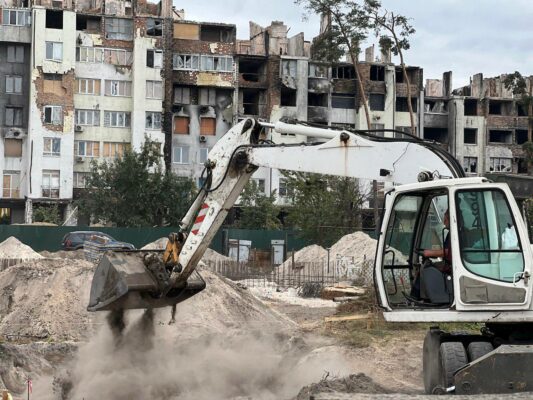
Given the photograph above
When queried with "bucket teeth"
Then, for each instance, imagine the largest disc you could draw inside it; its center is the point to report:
(131, 280)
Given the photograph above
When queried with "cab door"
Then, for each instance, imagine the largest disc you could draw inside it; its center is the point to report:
(490, 249)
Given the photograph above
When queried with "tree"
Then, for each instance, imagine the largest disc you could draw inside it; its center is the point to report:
(258, 211)
(324, 207)
(134, 191)
(47, 213)
(394, 31)
(522, 87)
(349, 27)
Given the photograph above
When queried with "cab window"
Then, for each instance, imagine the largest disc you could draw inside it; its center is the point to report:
(489, 241)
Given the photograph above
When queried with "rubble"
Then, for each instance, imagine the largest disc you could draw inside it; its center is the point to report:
(13, 251)
(359, 383)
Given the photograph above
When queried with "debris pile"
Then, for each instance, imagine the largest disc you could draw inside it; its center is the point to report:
(13, 251)
(359, 383)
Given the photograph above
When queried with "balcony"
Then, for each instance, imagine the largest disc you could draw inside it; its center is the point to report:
(16, 25)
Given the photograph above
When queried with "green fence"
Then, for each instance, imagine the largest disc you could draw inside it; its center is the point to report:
(261, 239)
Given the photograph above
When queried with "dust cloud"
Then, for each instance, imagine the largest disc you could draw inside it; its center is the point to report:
(136, 363)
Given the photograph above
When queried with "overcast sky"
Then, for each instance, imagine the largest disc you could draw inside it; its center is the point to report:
(464, 36)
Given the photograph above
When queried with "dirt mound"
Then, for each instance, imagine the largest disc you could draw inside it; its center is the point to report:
(13, 251)
(71, 254)
(359, 383)
(159, 244)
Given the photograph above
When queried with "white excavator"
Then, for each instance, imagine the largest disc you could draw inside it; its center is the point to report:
(450, 248)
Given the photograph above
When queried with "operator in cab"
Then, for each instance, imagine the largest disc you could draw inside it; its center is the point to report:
(446, 252)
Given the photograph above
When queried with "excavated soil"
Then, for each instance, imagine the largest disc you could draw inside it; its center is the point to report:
(13, 251)
(359, 383)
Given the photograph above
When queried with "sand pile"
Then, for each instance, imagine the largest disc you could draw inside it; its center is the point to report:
(69, 254)
(13, 251)
(159, 244)
(359, 383)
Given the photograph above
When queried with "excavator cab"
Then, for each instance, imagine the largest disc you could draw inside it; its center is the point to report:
(481, 252)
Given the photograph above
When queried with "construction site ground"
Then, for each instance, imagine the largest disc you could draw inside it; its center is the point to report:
(231, 341)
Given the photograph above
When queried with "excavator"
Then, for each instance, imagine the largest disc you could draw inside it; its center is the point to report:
(430, 205)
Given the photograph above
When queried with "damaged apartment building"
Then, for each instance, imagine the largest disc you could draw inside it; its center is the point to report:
(80, 81)
(483, 125)
(218, 80)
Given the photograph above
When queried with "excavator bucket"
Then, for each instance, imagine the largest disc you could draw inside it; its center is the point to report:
(137, 279)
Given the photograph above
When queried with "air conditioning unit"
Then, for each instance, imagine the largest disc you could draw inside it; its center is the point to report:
(202, 139)
(78, 128)
(79, 159)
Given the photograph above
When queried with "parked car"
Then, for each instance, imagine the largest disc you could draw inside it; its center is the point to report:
(74, 240)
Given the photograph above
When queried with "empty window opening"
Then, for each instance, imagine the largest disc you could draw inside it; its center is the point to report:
(54, 19)
(251, 102)
(343, 72)
(377, 102)
(288, 97)
(435, 106)
(471, 107)
(317, 100)
(411, 74)
(470, 136)
(377, 73)
(288, 68)
(318, 71)
(500, 164)
(437, 134)
(500, 136)
(521, 165)
(251, 70)
(521, 110)
(402, 106)
(340, 100)
(154, 27)
(497, 107)
(521, 136)
(470, 164)
(213, 33)
(88, 23)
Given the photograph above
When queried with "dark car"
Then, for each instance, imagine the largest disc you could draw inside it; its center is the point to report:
(75, 240)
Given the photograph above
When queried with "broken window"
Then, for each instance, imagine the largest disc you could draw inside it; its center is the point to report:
(54, 51)
(88, 117)
(470, 164)
(318, 71)
(154, 58)
(14, 84)
(51, 147)
(471, 107)
(180, 155)
(115, 149)
(377, 73)
(250, 102)
(16, 17)
(13, 116)
(288, 68)
(182, 95)
(15, 54)
(202, 155)
(435, 106)
(470, 136)
(521, 110)
(11, 184)
(208, 126)
(521, 136)
(154, 27)
(497, 107)
(500, 136)
(500, 164)
(317, 99)
(341, 100)
(12, 148)
(85, 148)
(119, 28)
(251, 70)
(376, 101)
(343, 72)
(118, 57)
(154, 89)
(216, 63)
(50, 184)
(88, 23)
(437, 134)
(208, 96)
(118, 88)
(54, 19)
(521, 164)
(153, 120)
(210, 33)
(288, 97)
(402, 105)
(117, 119)
(181, 125)
(88, 86)
(400, 78)
(186, 61)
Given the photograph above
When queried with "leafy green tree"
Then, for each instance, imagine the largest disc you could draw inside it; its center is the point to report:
(394, 31)
(258, 211)
(324, 207)
(522, 87)
(47, 213)
(349, 28)
(133, 190)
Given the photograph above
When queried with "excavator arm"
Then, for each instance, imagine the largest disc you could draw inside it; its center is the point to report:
(131, 280)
